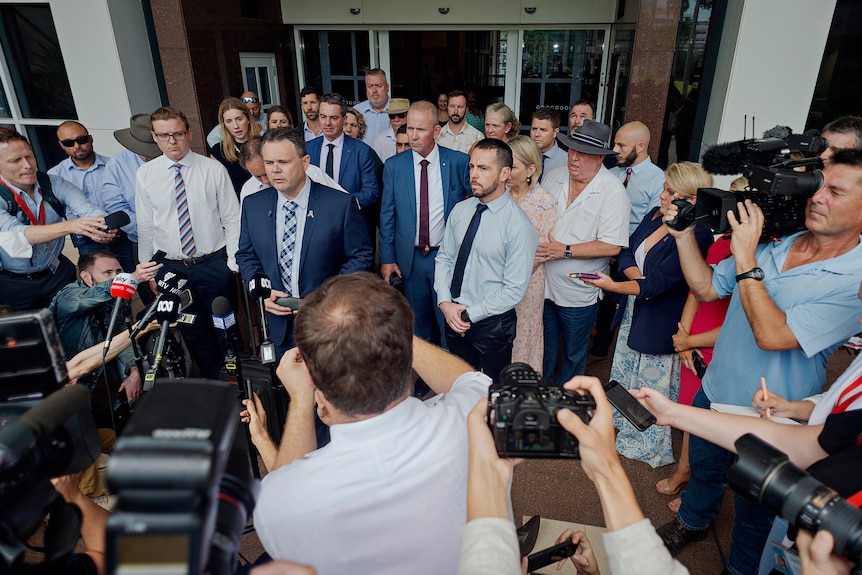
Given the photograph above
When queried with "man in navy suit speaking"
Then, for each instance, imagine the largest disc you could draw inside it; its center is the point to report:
(297, 232)
(420, 188)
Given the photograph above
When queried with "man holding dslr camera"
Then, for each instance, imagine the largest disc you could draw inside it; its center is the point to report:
(387, 494)
(794, 302)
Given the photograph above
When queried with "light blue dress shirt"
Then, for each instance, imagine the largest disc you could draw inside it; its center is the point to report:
(821, 302)
(89, 180)
(644, 189)
(500, 264)
(118, 188)
(377, 122)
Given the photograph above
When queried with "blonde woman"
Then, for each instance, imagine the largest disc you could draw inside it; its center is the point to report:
(501, 122)
(237, 126)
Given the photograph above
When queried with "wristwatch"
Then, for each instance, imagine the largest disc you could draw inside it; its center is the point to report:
(568, 253)
(755, 274)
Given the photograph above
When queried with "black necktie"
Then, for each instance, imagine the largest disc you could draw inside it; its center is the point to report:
(464, 252)
(329, 159)
(545, 158)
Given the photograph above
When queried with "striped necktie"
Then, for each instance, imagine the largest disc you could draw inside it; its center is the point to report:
(628, 177)
(187, 237)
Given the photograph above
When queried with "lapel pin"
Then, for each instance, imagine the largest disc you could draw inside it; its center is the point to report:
(269, 214)
(310, 213)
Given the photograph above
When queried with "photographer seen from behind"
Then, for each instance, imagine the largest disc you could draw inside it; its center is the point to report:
(387, 494)
(793, 303)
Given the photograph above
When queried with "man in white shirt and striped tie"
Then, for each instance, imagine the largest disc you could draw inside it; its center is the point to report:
(187, 209)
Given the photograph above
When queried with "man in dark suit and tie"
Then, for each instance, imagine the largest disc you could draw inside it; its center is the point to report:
(432, 179)
(348, 161)
(297, 232)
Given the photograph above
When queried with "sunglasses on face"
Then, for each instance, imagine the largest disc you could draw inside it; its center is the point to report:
(250, 100)
(81, 140)
(400, 115)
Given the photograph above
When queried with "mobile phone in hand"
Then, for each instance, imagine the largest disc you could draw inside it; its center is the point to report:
(628, 406)
(550, 555)
(291, 302)
(585, 276)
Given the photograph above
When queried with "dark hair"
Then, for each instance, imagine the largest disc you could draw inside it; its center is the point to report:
(546, 113)
(309, 90)
(359, 356)
(88, 260)
(335, 99)
(279, 109)
(848, 157)
(10, 135)
(249, 150)
(402, 129)
(376, 72)
(504, 152)
(846, 125)
(294, 136)
(169, 113)
(456, 93)
(583, 102)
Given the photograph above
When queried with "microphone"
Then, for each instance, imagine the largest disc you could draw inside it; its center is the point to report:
(171, 282)
(117, 220)
(225, 320)
(123, 288)
(729, 159)
(167, 312)
(260, 288)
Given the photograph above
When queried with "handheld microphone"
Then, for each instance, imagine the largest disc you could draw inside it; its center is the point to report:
(123, 288)
(171, 282)
(167, 312)
(260, 288)
(225, 320)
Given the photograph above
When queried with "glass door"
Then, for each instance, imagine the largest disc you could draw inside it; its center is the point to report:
(335, 61)
(259, 76)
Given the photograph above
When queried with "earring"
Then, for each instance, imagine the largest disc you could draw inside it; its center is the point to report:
(529, 180)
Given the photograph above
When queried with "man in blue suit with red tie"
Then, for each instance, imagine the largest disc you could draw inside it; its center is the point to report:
(420, 188)
(348, 161)
(297, 232)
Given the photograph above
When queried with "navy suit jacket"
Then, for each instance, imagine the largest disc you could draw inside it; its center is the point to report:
(357, 173)
(398, 217)
(335, 241)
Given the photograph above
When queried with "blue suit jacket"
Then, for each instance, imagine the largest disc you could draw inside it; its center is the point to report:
(357, 173)
(398, 217)
(335, 242)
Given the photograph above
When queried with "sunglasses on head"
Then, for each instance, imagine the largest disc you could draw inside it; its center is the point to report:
(250, 100)
(401, 115)
(72, 141)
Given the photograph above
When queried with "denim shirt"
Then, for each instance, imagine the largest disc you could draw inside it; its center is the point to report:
(77, 310)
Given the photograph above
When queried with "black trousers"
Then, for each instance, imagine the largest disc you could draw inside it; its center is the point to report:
(22, 294)
(487, 345)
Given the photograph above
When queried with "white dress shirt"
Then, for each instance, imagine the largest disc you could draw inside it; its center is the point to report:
(213, 208)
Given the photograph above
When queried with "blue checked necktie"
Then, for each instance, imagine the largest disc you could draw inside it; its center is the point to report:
(288, 243)
(187, 238)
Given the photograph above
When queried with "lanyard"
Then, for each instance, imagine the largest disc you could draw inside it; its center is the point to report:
(26, 209)
(848, 396)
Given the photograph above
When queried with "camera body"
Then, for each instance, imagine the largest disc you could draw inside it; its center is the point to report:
(522, 415)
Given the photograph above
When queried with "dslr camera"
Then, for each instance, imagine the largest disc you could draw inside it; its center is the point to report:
(522, 415)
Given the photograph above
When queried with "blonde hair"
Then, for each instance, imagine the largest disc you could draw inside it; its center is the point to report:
(527, 151)
(685, 178)
(508, 116)
(228, 144)
(739, 184)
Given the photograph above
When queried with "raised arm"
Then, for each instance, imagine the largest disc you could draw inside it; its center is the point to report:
(437, 367)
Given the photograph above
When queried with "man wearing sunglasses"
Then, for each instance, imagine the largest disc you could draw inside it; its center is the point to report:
(85, 169)
(384, 144)
(252, 102)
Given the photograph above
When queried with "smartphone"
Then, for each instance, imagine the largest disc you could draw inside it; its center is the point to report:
(698, 365)
(584, 276)
(158, 256)
(249, 394)
(291, 302)
(628, 406)
(550, 555)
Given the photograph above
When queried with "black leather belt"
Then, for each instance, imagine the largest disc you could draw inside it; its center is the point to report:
(197, 260)
(27, 276)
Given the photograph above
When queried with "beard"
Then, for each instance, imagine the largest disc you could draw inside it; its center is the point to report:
(455, 118)
(628, 161)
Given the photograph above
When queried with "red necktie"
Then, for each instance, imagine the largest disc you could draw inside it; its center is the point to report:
(628, 177)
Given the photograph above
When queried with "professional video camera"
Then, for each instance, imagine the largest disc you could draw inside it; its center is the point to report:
(45, 431)
(764, 476)
(184, 494)
(773, 183)
(522, 415)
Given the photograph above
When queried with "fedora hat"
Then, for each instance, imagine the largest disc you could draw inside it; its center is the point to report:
(137, 137)
(398, 106)
(590, 138)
